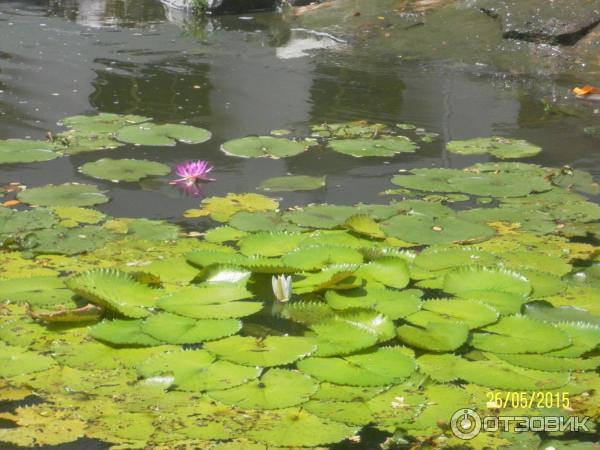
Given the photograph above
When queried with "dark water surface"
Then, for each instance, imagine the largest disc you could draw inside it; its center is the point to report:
(246, 75)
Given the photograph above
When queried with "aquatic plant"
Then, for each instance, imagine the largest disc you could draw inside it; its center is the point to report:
(390, 316)
(282, 287)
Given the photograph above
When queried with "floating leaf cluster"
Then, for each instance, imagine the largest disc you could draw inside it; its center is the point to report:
(147, 337)
(131, 332)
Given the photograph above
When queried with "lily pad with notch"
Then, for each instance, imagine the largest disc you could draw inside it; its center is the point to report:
(263, 147)
(499, 147)
(68, 194)
(384, 366)
(267, 352)
(26, 151)
(162, 135)
(276, 389)
(123, 169)
(383, 147)
(174, 329)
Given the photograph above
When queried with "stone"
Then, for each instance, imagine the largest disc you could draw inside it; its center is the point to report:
(557, 22)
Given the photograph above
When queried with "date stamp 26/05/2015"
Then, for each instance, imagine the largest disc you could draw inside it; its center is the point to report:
(532, 399)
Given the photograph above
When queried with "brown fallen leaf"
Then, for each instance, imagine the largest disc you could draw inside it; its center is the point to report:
(86, 313)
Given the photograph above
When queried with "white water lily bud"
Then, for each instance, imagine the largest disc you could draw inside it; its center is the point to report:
(282, 287)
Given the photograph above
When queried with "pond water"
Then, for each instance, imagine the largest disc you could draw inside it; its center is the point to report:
(428, 306)
(234, 76)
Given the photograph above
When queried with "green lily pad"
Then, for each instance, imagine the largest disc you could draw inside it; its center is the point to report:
(69, 241)
(393, 304)
(263, 147)
(505, 303)
(174, 329)
(351, 413)
(269, 244)
(293, 183)
(22, 221)
(384, 147)
(195, 370)
(499, 147)
(340, 393)
(26, 151)
(482, 279)
(437, 230)
(295, 427)
(528, 219)
(350, 130)
(520, 334)
(493, 373)
(317, 256)
(440, 258)
(435, 336)
(320, 216)
(551, 363)
(307, 312)
(387, 365)
(162, 135)
(210, 302)
(71, 216)
(389, 271)
(123, 169)
(102, 123)
(222, 209)
(363, 224)
(277, 388)
(370, 320)
(500, 184)
(68, 194)
(429, 180)
(576, 180)
(122, 332)
(18, 361)
(474, 314)
(116, 291)
(340, 337)
(36, 290)
(73, 142)
(267, 352)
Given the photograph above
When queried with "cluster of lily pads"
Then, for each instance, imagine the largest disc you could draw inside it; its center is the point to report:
(138, 334)
(300, 328)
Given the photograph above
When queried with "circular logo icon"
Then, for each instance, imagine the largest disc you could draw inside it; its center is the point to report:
(465, 424)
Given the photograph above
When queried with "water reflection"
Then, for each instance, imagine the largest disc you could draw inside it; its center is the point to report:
(108, 13)
(227, 74)
(174, 88)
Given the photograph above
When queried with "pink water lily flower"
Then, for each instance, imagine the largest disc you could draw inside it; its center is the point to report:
(193, 171)
(191, 174)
